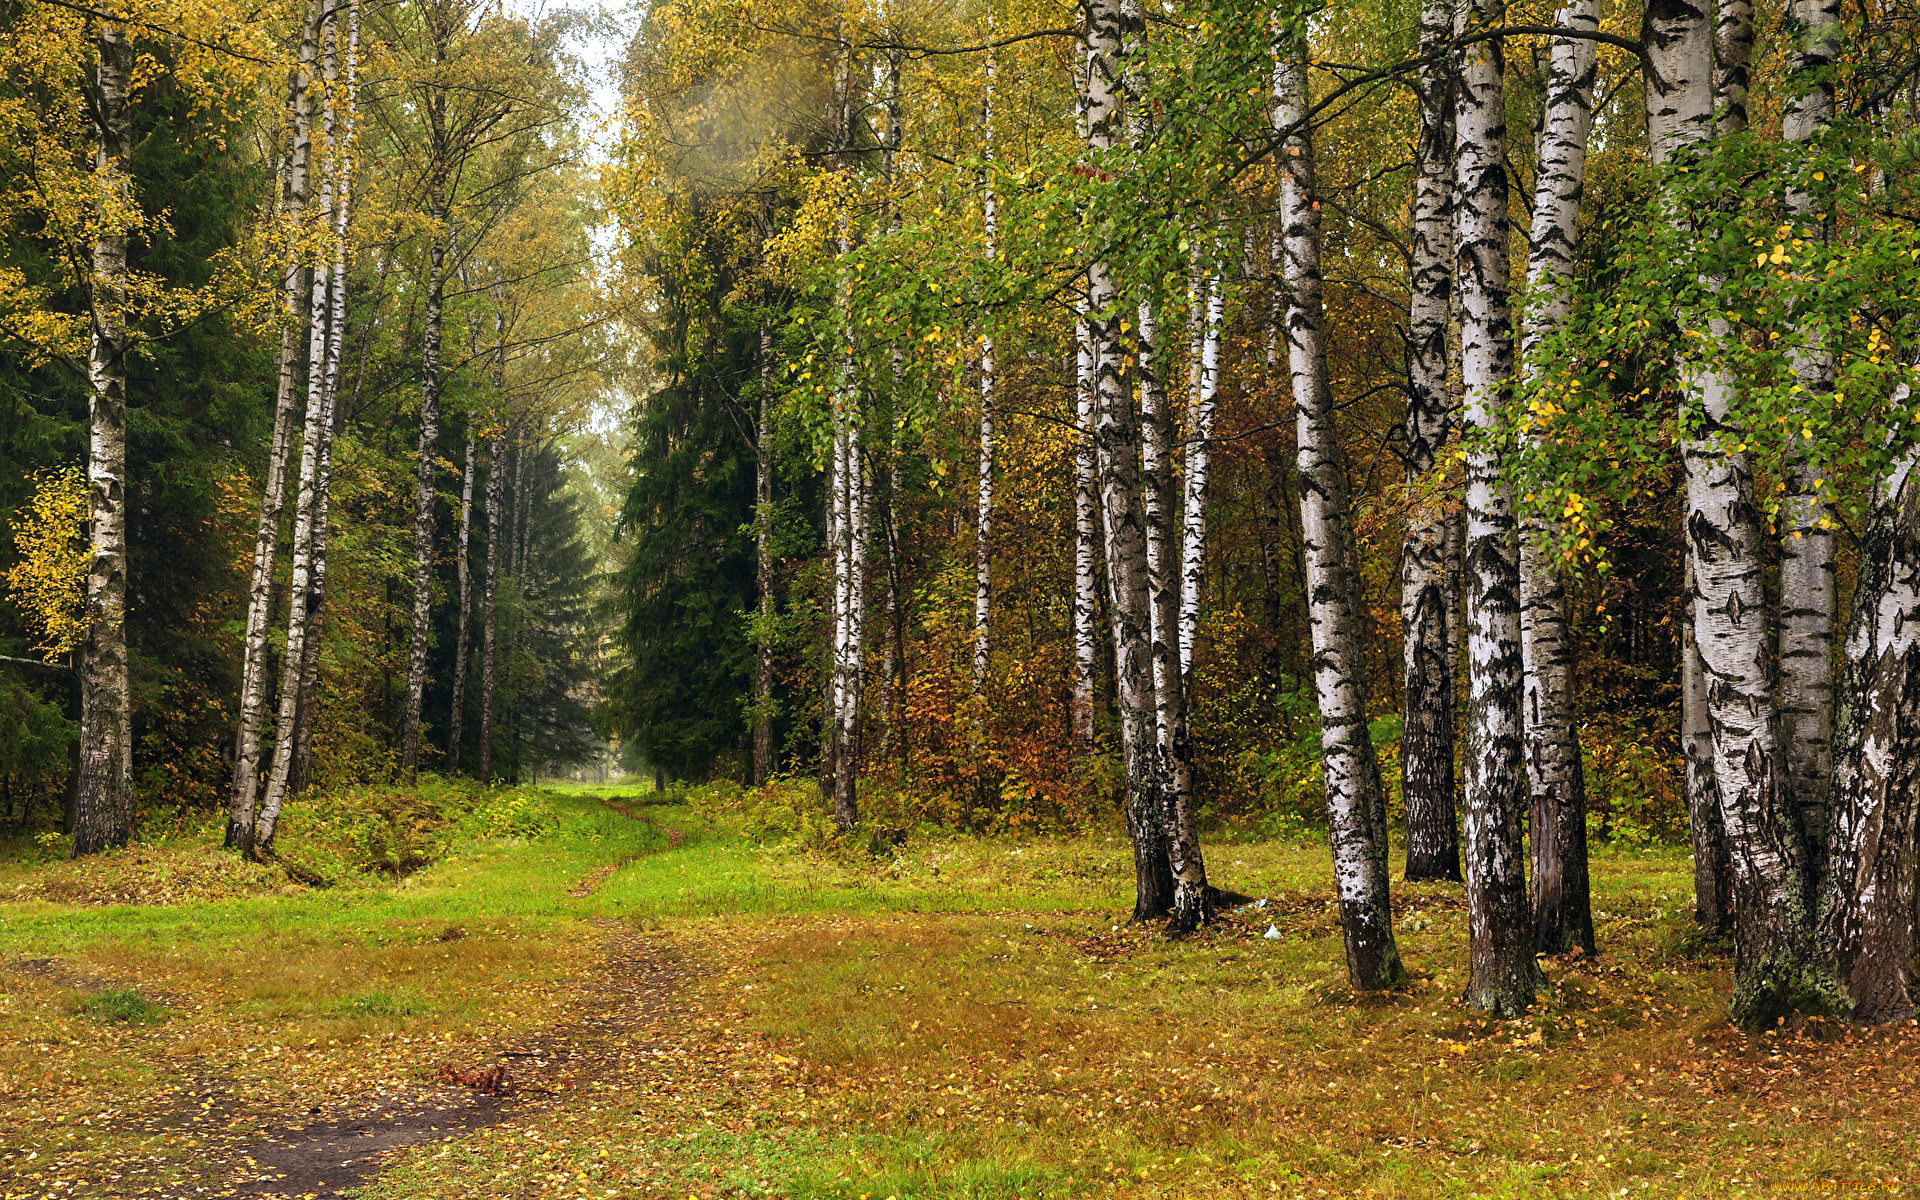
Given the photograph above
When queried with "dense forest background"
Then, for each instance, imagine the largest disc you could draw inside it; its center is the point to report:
(1468, 425)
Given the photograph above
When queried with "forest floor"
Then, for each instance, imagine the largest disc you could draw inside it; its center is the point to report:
(678, 1012)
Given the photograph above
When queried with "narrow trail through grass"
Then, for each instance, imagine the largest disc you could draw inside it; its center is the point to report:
(681, 1011)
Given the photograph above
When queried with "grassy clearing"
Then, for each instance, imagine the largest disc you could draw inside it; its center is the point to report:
(963, 1018)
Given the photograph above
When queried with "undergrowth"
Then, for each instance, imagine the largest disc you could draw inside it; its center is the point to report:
(360, 836)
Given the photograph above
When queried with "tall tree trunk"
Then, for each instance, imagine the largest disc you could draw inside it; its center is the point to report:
(1160, 506)
(849, 525)
(1501, 969)
(1428, 645)
(1562, 906)
(489, 589)
(463, 591)
(1356, 801)
(523, 496)
(343, 143)
(1868, 906)
(763, 567)
(1809, 600)
(423, 492)
(833, 523)
(983, 528)
(1116, 439)
(1086, 533)
(1775, 970)
(1198, 470)
(1729, 60)
(1712, 882)
(315, 453)
(893, 650)
(103, 811)
(256, 642)
(1732, 63)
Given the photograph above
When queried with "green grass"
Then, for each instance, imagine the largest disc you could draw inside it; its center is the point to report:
(961, 1018)
(123, 1005)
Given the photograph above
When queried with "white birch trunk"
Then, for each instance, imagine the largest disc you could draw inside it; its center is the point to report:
(1116, 439)
(1356, 802)
(1501, 970)
(1712, 895)
(1809, 599)
(1198, 469)
(1159, 503)
(343, 143)
(1086, 517)
(850, 549)
(103, 808)
(983, 527)
(1427, 634)
(1868, 905)
(256, 645)
(1562, 907)
(1774, 970)
(463, 591)
(314, 454)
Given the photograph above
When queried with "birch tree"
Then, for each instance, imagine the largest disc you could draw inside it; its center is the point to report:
(1086, 534)
(1774, 966)
(103, 805)
(1116, 441)
(983, 521)
(463, 590)
(1501, 970)
(1808, 596)
(254, 692)
(425, 466)
(1198, 467)
(1428, 646)
(1356, 801)
(1562, 909)
(848, 483)
(342, 145)
(314, 454)
(1868, 914)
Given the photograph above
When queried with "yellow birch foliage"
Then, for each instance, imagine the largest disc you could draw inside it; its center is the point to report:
(50, 579)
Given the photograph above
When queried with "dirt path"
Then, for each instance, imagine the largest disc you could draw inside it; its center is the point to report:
(335, 1152)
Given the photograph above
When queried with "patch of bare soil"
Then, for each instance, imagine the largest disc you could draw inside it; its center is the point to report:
(334, 1152)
